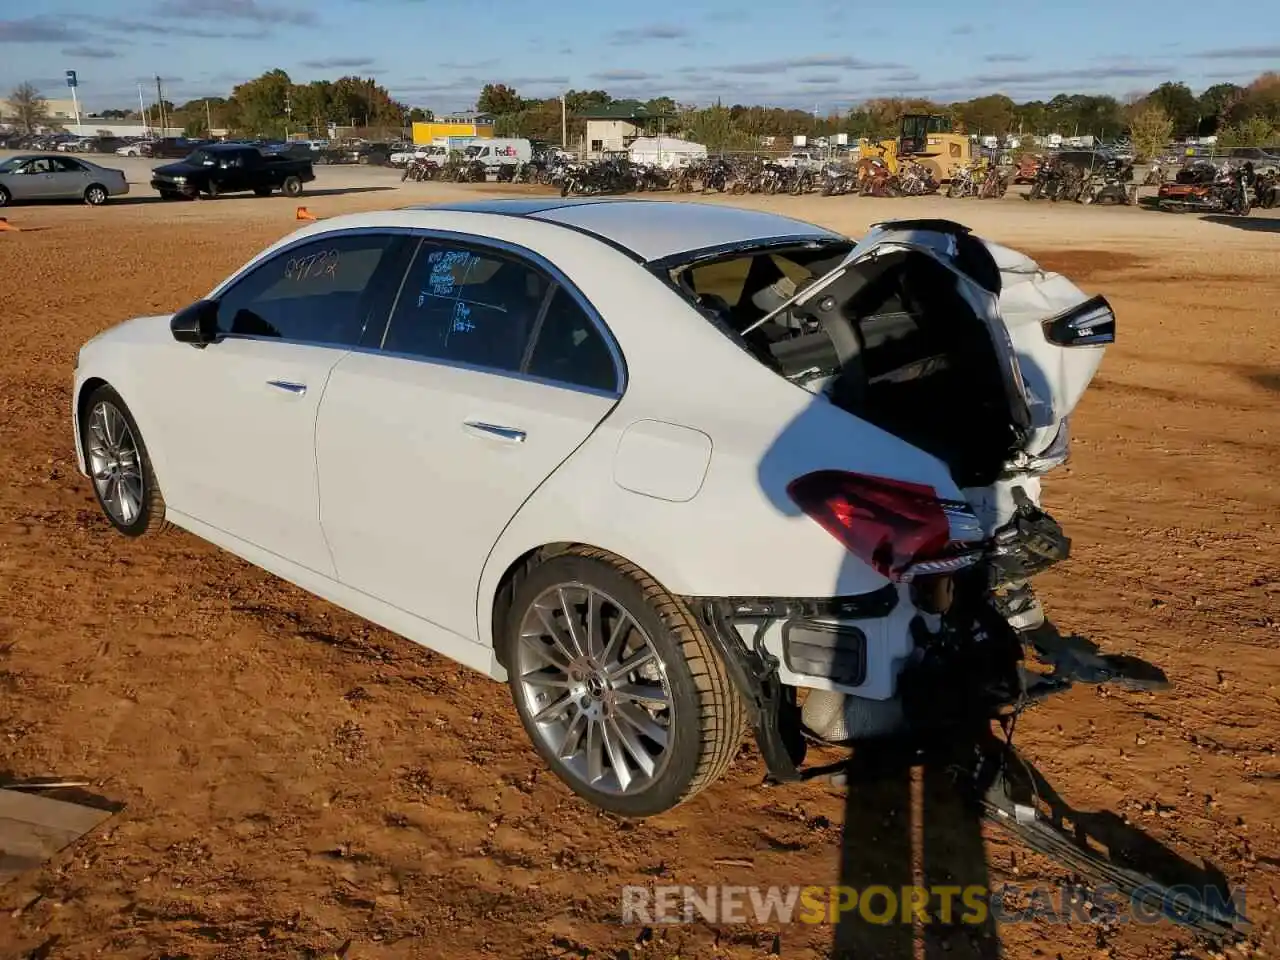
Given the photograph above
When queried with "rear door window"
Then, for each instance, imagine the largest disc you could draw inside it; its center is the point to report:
(464, 304)
(570, 348)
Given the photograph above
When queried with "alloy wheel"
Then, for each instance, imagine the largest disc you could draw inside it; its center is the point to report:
(114, 463)
(595, 688)
(96, 196)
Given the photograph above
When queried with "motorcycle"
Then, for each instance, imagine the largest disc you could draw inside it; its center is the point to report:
(916, 180)
(837, 181)
(1201, 187)
(1111, 185)
(962, 184)
(1266, 189)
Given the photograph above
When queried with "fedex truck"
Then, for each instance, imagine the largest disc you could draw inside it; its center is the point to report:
(498, 151)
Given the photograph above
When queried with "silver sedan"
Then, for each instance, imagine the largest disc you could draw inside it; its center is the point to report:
(51, 177)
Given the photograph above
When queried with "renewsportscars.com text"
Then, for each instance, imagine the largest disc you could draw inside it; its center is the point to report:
(879, 904)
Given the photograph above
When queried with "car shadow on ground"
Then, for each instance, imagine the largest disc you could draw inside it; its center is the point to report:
(917, 802)
(134, 199)
(1258, 224)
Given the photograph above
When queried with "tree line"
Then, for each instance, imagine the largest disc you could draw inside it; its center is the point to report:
(1236, 114)
(272, 105)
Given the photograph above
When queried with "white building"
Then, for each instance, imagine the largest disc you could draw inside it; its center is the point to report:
(666, 152)
(612, 128)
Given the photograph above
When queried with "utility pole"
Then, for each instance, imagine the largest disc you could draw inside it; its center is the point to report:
(142, 110)
(208, 119)
(564, 123)
(164, 120)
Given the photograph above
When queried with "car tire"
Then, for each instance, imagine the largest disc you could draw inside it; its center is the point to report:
(292, 187)
(4, 197)
(95, 195)
(112, 443)
(689, 742)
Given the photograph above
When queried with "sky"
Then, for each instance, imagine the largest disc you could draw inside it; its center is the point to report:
(812, 54)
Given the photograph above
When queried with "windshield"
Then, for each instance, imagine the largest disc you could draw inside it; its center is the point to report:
(472, 151)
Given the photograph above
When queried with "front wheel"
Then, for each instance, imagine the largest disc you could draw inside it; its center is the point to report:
(118, 464)
(292, 187)
(616, 684)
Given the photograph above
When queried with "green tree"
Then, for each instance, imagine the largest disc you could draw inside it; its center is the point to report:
(1216, 104)
(499, 100)
(579, 101)
(1032, 118)
(313, 105)
(261, 104)
(1179, 104)
(714, 128)
(663, 106)
(29, 108)
(1150, 130)
(993, 114)
(1254, 132)
(419, 115)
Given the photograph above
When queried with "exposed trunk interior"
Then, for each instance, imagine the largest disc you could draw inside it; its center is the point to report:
(900, 347)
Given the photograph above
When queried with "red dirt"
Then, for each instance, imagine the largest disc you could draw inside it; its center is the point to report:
(299, 783)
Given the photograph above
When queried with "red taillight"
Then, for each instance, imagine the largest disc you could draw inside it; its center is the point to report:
(890, 524)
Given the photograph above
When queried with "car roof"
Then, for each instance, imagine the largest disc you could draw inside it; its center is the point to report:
(48, 153)
(651, 230)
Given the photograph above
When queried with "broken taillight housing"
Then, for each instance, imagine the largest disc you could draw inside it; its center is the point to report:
(901, 529)
(1089, 324)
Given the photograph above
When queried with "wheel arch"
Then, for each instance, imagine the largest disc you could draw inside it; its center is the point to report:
(85, 390)
(118, 374)
(499, 601)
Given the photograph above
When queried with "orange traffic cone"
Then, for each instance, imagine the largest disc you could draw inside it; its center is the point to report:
(6, 225)
(304, 214)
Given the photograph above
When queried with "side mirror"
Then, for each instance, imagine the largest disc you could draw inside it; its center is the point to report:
(196, 324)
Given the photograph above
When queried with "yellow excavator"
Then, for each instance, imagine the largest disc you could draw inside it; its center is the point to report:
(928, 140)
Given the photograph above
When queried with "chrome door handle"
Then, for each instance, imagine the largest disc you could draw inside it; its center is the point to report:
(288, 386)
(509, 434)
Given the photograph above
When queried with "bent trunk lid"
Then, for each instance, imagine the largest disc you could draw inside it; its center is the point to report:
(1018, 302)
(1047, 336)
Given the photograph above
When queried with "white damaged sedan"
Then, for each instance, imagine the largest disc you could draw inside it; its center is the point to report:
(671, 470)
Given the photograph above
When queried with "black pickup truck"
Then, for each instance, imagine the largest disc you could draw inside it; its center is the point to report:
(231, 168)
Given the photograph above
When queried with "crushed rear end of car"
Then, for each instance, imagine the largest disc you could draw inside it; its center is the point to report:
(976, 355)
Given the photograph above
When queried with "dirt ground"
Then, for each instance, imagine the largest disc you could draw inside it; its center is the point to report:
(298, 783)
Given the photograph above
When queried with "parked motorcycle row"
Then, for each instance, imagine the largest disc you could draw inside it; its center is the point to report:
(1108, 182)
(1199, 185)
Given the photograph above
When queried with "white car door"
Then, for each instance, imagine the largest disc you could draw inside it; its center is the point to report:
(238, 416)
(490, 374)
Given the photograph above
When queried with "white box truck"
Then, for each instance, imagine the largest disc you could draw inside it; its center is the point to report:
(495, 152)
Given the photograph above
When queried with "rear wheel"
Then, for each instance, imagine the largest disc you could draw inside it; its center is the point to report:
(4, 197)
(616, 684)
(292, 187)
(123, 481)
(95, 195)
